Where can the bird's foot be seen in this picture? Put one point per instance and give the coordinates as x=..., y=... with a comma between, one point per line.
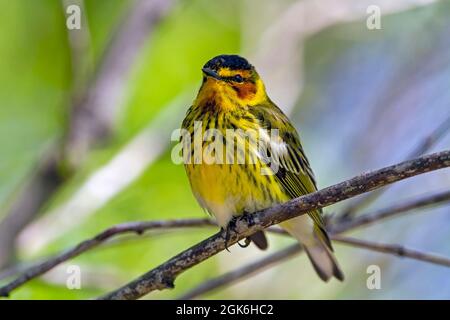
x=246, y=243
x=230, y=227
x=250, y=221
x=249, y=217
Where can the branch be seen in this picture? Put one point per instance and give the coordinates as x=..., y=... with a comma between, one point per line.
x=163, y=277
x=389, y=212
x=422, y=147
x=394, y=249
x=130, y=227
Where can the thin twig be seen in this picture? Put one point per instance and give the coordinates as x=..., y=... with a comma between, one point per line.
x=163, y=276
x=422, y=147
x=17, y=269
x=130, y=227
x=394, y=249
x=369, y=218
x=243, y=272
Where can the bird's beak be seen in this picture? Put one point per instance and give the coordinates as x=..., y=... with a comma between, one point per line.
x=211, y=73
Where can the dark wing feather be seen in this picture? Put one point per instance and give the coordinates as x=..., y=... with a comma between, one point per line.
x=294, y=171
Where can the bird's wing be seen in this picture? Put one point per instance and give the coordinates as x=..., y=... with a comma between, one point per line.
x=294, y=171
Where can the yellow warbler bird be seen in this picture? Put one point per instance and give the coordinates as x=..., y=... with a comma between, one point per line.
x=243, y=179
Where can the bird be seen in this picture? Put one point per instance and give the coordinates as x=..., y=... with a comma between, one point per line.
x=244, y=179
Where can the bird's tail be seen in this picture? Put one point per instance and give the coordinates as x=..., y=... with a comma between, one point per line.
x=324, y=262
x=317, y=246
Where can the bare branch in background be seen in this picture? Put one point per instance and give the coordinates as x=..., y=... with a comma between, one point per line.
x=129, y=227
x=256, y=267
x=243, y=272
x=369, y=218
x=394, y=249
x=422, y=147
x=91, y=121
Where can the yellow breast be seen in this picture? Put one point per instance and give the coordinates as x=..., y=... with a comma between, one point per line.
x=232, y=189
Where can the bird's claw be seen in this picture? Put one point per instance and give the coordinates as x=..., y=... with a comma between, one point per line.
x=231, y=226
x=246, y=243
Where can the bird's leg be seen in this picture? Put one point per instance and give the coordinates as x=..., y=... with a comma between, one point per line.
x=230, y=226
x=251, y=222
x=249, y=217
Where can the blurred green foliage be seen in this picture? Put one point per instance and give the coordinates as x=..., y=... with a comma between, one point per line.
x=35, y=84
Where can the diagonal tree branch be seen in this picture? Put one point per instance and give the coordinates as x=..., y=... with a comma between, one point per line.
x=163, y=277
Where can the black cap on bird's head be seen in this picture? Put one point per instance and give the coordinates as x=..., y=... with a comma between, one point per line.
x=230, y=61
x=228, y=68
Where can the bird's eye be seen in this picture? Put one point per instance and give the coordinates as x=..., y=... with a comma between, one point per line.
x=238, y=78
